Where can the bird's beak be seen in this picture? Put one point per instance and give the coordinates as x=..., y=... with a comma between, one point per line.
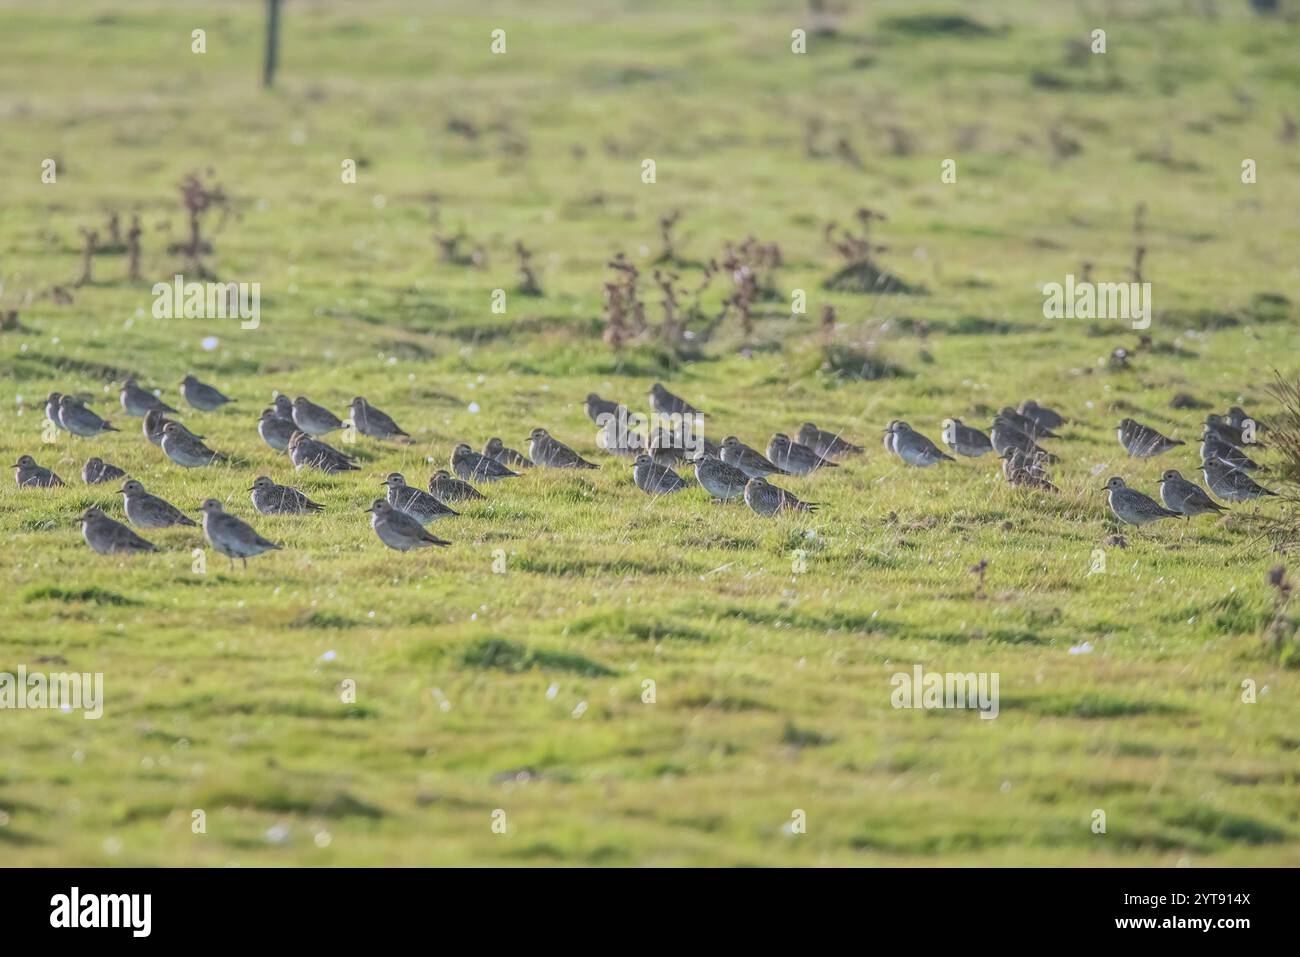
x=251, y=488
x=1104, y=488
x=383, y=483
x=122, y=490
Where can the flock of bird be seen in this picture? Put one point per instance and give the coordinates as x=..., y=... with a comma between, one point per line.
x=1015, y=434
x=727, y=471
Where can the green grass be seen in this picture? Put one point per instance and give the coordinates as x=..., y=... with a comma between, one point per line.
x=523, y=691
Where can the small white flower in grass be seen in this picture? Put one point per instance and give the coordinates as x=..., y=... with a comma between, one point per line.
x=322, y=839
x=210, y=343
x=392, y=360
x=65, y=708
x=4, y=819
x=473, y=408
x=379, y=201
x=146, y=762
x=551, y=692
x=1082, y=649
x=112, y=846
x=54, y=340
x=328, y=656
x=1006, y=787
x=277, y=834
x=370, y=614
x=580, y=710
x=473, y=616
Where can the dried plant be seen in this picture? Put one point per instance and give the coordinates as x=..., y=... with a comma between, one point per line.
x=860, y=273
x=452, y=250
x=199, y=198
x=133, y=249
x=1282, y=631
x=828, y=324
x=91, y=240
x=528, y=284
x=666, y=224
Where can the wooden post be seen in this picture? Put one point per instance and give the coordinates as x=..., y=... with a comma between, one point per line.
x=272, y=42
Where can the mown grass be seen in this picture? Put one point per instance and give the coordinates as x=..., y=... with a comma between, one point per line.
x=524, y=691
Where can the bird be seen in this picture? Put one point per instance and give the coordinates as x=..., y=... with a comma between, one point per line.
x=1005, y=434
x=964, y=440
x=1048, y=418
x=1228, y=433
x=1024, y=478
x=30, y=475
x=155, y=422
x=1142, y=441
x=372, y=422
x=668, y=446
x=231, y=535
x=615, y=438
x=766, y=499
x=79, y=420
x=96, y=470
x=665, y=403
x=201, y=395
x=546, y=450
x=1131, y=506
x=1186, y=498
x=750, y=461
x=826, y=444
x=52, y=409
x=304, y=451
x=655, y=479
x=314, y=419
x=1026, y=424
x=450, y=489
x=496, y=450
x=913, y=447
x=275, y=431
x=890, y=430
x=184, y=449
x=1231, y=484
x=415, y=502
x=597, y=407
x=109, y=537
x=144, y=510
x=283, y=406
x=137, y=401
x=794, y=457
x=474, y=467
x=270, y=498
x=1237, y=418
x=1214, y=449
x=719, y=479
x=1016, y=460
x=398, y=530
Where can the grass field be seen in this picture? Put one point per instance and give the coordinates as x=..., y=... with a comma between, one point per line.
x=522, y=691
